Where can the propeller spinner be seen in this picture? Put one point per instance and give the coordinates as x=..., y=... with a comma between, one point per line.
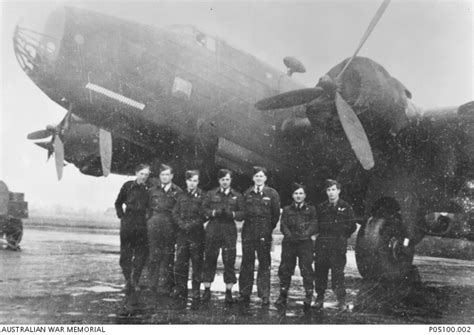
x=353, y=129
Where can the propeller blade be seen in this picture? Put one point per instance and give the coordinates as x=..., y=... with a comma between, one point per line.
x=48, y=146
x=289, y=99
x=355, y=133
x=59, y=156
x=39, y=134
x=369, y=30
x=50, y=152
x=105, y=144
x=64, y=124
x=45, y=145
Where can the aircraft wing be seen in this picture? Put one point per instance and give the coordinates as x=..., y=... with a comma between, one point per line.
x=463, y=113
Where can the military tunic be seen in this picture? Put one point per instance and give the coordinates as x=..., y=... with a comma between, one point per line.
x=188, y=216
x=221, y=232
x=133, y=229
x=335, y=225
x=162, y=236
x=298, y=224
x=262, y=212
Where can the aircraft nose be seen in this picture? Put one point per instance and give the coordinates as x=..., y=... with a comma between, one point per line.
x=37, y=40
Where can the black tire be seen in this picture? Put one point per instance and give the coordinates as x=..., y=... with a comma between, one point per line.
x=14, y=232
x=380, y=254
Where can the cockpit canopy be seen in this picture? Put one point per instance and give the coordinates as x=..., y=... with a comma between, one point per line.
x=194, y=35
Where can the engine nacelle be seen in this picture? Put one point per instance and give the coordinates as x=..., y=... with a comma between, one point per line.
x=373, y=94
x=455, y=225
x=82, y=148
x=296, y=128
x=380, y=101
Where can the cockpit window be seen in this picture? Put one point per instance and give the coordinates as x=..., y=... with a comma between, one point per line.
x=182, y=29
x=211, y=43
x=199, y=37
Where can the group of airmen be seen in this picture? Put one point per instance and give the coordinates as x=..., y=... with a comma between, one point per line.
x=166, y=224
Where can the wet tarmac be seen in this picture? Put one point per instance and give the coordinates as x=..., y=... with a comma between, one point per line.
x=72, y=276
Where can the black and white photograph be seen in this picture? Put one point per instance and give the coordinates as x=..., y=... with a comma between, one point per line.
x=304, y=162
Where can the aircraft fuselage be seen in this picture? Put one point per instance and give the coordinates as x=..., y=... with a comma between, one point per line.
x=185, y=98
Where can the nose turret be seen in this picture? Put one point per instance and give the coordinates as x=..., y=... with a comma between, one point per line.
x=37, y=41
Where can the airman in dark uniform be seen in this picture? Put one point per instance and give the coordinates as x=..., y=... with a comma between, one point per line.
x=162, y=231
x=222, y=206
x=262, y=211
x=335, y=225
x=298, y=224
x=133, y=229
x=191, y=236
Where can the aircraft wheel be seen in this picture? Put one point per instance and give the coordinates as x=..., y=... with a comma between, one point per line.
x=14, y=233
x=380, y=253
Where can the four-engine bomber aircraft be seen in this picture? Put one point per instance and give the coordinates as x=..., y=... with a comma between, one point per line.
x=136, y=93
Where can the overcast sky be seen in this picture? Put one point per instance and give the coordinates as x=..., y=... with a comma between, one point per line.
x=427, y=45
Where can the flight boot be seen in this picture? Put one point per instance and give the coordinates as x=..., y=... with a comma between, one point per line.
x=307, y=301
x=244, y=300
x=341, y=304
x=195, y=295
x=282, y=299
x=319, y=303
x=207, y=294
x=265, y=301
x=228, y=297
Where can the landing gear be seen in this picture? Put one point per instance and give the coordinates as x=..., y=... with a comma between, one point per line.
x=380, y=250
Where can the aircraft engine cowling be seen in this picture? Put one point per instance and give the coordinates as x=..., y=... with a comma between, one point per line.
x=378, y=99
x=82, y=148
x=81, y=145
x=296, y=127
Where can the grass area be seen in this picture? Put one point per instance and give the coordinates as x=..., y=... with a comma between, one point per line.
x=86, y=221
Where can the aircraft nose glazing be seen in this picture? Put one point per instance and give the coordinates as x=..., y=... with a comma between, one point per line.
x=34, y=49
x=37, y=40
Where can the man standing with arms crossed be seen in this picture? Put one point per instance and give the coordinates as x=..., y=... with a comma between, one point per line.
x=335, y=225
x=262, y=211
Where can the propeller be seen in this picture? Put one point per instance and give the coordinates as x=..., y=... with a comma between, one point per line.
x=58, y=156
x=353, y=129
x=105, y=145
x=45, y=145
x=368, y=31
x=355, y=133
x=39, y=134
x=56, y=144
x=290, y=99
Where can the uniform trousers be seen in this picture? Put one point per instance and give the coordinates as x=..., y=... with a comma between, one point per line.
x=220, y=236
x=133, y=245
x=162, y=242
x=250, y=248
x=189, y=247
x=334, y=260
x=290, y=252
